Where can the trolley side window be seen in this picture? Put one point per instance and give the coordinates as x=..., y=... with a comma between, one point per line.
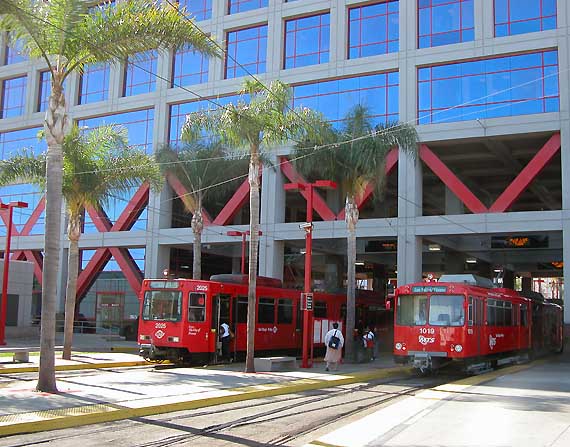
x=266, y=311
x=446, y=310
x=411, y=310
x=470, y=312
x=164, y=305
x=524, y=315
x=241, y=313
x=284, y=311
x=320, y=309
x=197, y=307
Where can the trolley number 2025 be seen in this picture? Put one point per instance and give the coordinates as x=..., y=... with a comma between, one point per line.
x=427, y=330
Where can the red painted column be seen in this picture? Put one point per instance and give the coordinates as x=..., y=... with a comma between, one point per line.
x=4, y=306
x=307, y=360
x=243, y=236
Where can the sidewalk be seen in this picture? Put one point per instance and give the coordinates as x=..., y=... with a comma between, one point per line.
x=126, y=393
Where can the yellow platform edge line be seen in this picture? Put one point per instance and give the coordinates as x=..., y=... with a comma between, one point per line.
x=29, y=369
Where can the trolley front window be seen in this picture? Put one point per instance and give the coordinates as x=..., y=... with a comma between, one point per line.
x=164, y=305
x=446, y=310
x=197, y=307
x=411, y=310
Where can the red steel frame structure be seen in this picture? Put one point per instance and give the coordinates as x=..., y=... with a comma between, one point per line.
x=140, y=200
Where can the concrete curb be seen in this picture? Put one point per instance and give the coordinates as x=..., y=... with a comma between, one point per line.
x=92, y=414
x=27, y=369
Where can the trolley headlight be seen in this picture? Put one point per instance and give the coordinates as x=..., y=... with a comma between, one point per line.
x=399, y=346
x=144, y=337
x=458, y=348
x=174, y=339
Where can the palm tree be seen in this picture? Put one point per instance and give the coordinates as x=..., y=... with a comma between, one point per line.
x=357, y=158
x=87, y=181
x=67, y=35
x=261, y=122
x=206, y=170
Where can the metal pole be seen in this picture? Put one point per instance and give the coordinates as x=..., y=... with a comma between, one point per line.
x=307, y=361
x=243, y=236
x=4, y=306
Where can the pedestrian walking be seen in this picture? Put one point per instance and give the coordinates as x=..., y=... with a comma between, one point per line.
x=368, y=341
x=334, y=342
x=225, y=337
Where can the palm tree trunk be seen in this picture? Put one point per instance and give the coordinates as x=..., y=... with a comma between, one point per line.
x=351, y=218
x=197, y=227
x=254, y=168
x=73, y=233
x=55, y=127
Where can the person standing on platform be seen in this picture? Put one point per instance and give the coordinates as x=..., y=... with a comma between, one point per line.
x=368, y=339
x=225, y=339
x=334, y=341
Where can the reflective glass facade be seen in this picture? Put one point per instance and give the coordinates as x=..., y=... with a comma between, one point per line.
x=198, y=9
x=373, y=29
x=524, y=16
x=14, y=53
x=189, y=68
x=307, y=41
x=246, y=51
x=505, y=86
x=140, y=74
x=13, y=97
x=443, y=22
x=378, y=92
x=94, y=83
x=235, y=6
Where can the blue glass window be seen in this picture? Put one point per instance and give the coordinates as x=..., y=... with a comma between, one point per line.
x=506, y=86
x=94, y=83
x=14, y=52
x=198, y=9
x=189, y=67
x=373, y=29
x=235, y=6
x=524, y=16
x=10, y=143
x=139, y=125
x=178, y=113
x=45, y=91
x=443, y=22
x=140, y=73
x=247, y=51
x=13, y=97
x=307, y=41
x=378, y=92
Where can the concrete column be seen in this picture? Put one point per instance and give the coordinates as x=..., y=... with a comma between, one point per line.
x=409, y=206
x=271, y=250
x=452, y=204
x=565, y=165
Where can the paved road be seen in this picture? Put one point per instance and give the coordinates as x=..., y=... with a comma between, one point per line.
x=288, y=420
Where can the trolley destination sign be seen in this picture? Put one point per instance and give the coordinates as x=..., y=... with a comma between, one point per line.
x=429, y=289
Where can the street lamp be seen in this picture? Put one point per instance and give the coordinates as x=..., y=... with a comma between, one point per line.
x=308, y=228
x=243, y=235
x=3, y=308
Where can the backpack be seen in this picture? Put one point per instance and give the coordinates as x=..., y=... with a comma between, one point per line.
x=334, y=342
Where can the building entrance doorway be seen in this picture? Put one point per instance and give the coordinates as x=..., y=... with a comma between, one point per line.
x=110, y=308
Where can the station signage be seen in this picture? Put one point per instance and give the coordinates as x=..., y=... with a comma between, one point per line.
x=429, y=289
x=306, y=301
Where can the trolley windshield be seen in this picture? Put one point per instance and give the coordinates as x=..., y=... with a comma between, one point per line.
x=446, y=310
x=164, y=305
x=411, y=310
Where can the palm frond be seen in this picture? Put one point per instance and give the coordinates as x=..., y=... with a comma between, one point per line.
x=23, y=167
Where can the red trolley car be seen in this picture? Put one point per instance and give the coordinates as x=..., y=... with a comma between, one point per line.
x=465, y=318
x=179, y=318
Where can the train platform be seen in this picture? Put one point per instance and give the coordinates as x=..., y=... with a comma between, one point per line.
x=90, y=396
x=525, y=405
